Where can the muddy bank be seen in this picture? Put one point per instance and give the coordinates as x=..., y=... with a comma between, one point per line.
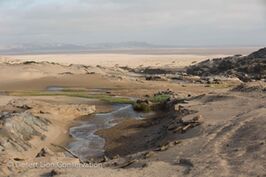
x=134, y=136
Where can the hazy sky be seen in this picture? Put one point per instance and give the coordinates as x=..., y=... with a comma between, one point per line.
x=174, y=22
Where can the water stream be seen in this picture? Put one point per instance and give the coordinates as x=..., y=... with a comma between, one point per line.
x=54, y=88
x=86, y=143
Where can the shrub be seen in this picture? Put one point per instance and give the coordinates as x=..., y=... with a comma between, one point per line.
x=142, y=107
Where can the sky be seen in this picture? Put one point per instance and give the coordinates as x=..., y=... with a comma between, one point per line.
x=163, y=22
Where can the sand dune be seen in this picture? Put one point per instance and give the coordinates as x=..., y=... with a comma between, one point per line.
x=110, y=60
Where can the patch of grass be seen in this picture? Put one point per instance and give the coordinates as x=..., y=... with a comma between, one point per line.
x=81, y=94
x=143, y=107
x=220, y=86
x=153, y=103
x=159, y=98
x=113, y=99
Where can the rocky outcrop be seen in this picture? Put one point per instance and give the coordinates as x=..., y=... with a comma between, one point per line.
x=247, y=68
x=251, y=87
x=26, y=126
x=19, y=128
x=259, y=54
x=155, y=78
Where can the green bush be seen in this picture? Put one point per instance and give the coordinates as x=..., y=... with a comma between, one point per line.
x=159, y=98
x=142, y=107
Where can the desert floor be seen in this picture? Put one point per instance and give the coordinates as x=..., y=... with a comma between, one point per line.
x=227, y=140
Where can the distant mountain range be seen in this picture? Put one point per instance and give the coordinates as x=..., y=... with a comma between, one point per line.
x=131, y=47
x=28, y=48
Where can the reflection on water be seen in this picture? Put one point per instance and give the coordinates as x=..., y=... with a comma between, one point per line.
x=55, y=88
x=86, y=144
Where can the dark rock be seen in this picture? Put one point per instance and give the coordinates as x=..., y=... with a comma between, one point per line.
x=259, y=54
x=258, y=86
x=18, y=159
x=29, y=62
x=44, y=152
x=184, y=162
x=152, y=71
x=90, y=73
x=51, y=174
x=171, y=126
x=24, y=106
x=155, y=78
x=247, y=68
x=66, y=73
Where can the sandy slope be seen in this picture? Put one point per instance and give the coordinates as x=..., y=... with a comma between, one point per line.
x=231, y=144
x=32, y=124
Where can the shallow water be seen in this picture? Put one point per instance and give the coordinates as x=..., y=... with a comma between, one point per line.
x=86, y=143
x=55, y=88
x=95, y=91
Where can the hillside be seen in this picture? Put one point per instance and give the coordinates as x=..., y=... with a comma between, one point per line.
x=246, y=68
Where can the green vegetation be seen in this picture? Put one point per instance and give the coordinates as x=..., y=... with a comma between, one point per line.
x=82, y=94
x=151, y=103
x=159, y=98
x=142, y=107
x=220, y=86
